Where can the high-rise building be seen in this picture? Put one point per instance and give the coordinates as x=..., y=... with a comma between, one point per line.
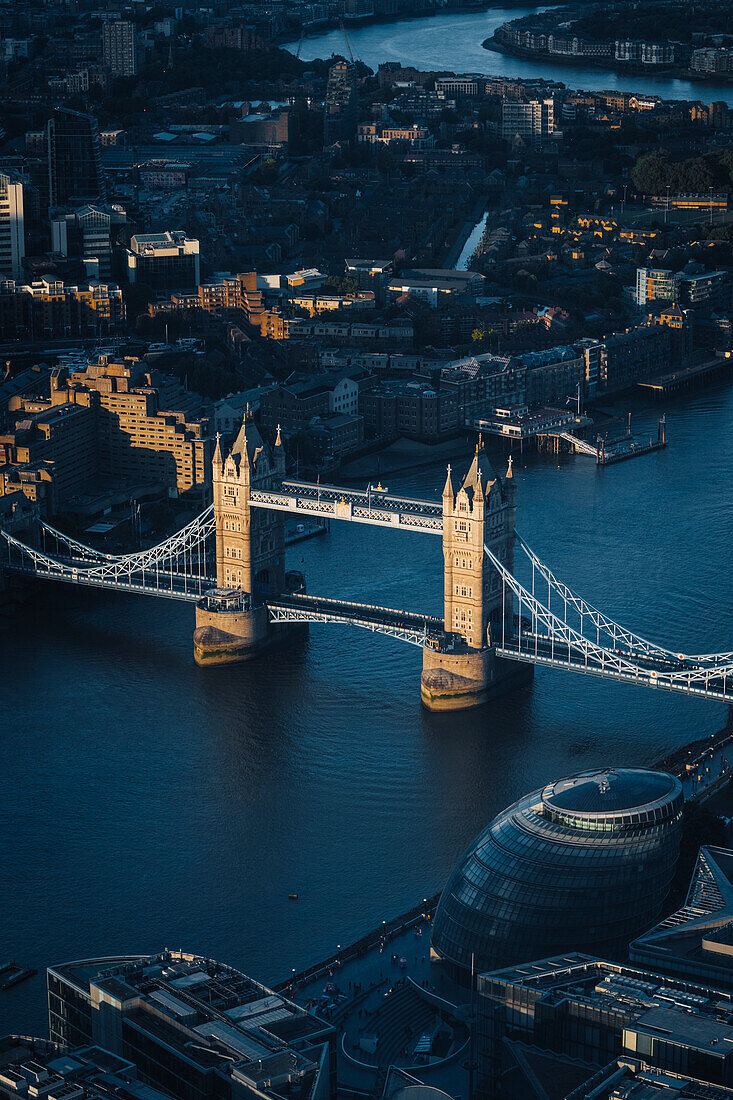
x=582, y=864
x=74, y=159
x=341, y=104
x=119, y=47
x=12, y=237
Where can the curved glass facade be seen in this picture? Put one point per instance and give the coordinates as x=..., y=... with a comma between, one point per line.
x=583, y=864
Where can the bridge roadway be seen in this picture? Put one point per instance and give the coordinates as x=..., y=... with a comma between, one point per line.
x=145, y=582
x=374, y=506
x=667, y=675
x=408, y=626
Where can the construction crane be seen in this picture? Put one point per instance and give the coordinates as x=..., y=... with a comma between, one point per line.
x=346, y=40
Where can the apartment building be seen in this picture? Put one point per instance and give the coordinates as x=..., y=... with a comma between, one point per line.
x=114, y=421
x=50, y=455
x=413, y=409
x=50, y=308
x=533, y=120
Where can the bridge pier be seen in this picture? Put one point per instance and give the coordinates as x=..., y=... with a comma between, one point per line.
x=465, y=678
x=226, y=637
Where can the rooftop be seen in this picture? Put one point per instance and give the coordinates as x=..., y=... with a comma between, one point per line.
x=213, y=1015
x=611, y=791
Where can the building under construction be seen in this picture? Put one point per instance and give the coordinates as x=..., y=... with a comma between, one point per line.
x=341, y=106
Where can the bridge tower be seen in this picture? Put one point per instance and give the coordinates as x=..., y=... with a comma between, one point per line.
x=232, y=620
x=482, y=510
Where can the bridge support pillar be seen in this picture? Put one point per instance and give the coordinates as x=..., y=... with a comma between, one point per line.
x=459, y=680
x=229, y=637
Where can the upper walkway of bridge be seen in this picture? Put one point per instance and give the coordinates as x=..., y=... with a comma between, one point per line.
x=373, y=505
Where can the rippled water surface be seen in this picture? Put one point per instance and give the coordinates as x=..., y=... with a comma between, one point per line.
x=453, y=41
x=146, y=802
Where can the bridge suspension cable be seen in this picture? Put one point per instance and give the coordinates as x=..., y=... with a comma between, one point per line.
x=618, y=635
x=196, y=531
x=562, y=646
x=72, y=544
x=175, y=567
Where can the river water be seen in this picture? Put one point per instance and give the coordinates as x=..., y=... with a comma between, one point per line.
x=453, y=40
x=147, y=802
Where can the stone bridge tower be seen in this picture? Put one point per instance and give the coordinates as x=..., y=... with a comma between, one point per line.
x=250, y=546
x=232, y=621
x=481, y=511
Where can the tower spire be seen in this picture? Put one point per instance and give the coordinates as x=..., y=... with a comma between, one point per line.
x=448, y=487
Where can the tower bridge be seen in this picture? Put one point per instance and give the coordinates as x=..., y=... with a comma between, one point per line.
x=230, y=563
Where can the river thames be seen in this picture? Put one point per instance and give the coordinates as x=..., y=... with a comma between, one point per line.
x=452, y=41
x=147, y=802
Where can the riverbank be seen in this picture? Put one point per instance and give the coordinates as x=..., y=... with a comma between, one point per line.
x=687, y=763
x=455, y=7
x=451, y=42
x=671, y=72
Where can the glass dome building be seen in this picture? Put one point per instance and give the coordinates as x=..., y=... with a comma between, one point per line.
x=583, y=864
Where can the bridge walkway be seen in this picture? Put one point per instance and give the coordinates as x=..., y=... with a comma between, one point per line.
x=371, y=506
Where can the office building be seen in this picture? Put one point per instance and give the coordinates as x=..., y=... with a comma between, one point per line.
x=88, y=234
x=12, y=228
x=696, y=942
x=195, y=1028
x=119, y=48
x=562, y=1018
x=74, y=159
x=435, y=286
x=31, y=1069
x=533, y=120
x=583, y=864
x=163, y=261
x=629, y=1079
